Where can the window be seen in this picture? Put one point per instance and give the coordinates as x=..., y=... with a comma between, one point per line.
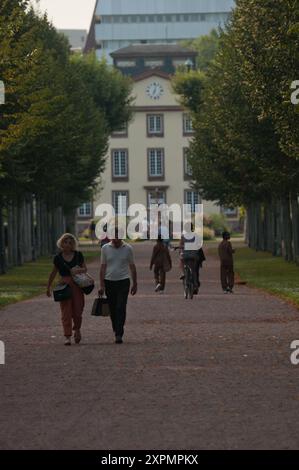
x=156, y=164
x=187, y=124
x=122, y=131
x=154, y=63
x=120, y=202
x=85, y=210
x=192, y=198
x=156, y=196
x=229, y=211
x=119, y=164
x=178, y=62
x=187, y=166
x=155, y=125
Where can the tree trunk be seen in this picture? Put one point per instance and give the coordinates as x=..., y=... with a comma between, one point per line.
x=3, y=263
x=287, y=230
x=12, y=235
x=33, y=216
x=295, y=226
x=71, y=222
x=278, y=229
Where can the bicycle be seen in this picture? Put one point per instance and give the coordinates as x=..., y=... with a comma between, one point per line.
x=188, y=281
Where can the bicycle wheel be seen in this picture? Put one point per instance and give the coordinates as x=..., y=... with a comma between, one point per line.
x=191, y=288
x=185, y=283
x=190, y=283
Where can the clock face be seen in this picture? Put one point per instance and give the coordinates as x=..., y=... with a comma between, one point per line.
x=155, y=90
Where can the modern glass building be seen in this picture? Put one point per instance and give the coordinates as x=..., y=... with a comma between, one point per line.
x=120, y=23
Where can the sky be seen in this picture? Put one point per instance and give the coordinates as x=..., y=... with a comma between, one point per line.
x=68, y=14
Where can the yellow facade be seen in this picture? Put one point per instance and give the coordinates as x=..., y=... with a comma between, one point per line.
x=153, y=96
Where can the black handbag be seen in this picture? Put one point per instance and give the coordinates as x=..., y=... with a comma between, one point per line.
x=100, y=307
x=62, y=292
x=88, y=290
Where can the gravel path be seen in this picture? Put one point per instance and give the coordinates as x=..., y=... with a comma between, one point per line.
x=212, y=373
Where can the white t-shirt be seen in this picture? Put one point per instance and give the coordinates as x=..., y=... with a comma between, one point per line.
x=117, y=260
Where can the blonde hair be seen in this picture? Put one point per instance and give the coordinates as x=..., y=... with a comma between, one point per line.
x=64, y=237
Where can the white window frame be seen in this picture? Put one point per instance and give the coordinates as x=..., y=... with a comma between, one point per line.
x=187, y=124
x=187, y=167
x=124, y=207
x=119, y=154
x=194, y=195
x=156, y=154
x=85, y=210
x=153, y=128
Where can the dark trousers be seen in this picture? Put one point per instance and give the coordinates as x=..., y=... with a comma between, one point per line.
x=160, y=276
x=117, y=294
x=227, y=276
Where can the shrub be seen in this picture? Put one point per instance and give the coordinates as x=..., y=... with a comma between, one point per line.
x=208, y=234
x=218, y=223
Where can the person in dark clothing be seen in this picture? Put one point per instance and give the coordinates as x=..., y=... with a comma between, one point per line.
x=161, y=260
x=92, y=231
x=198, y=264
x=225, y=251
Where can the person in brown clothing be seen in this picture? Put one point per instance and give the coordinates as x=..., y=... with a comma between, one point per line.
x=161, y=260
x=226, y=252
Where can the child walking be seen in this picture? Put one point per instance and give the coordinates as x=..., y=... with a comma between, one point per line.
x=161, y=260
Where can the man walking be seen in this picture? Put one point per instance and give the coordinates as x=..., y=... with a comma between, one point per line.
x=116, y=261
x=226, y=252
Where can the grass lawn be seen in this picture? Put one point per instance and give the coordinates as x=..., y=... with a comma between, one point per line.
x=29, y=280
x=262, y=270
x=266, y=272
x=272, y=274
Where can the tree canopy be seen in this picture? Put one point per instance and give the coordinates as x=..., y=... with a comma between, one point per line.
x=58, y=114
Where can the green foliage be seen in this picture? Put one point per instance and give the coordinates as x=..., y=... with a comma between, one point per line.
x=246, y=132
x=189, y=86
x=206, y=47
x=208, y=234
x=218, y=223
x=110, y=89
x=58, y=114
x=267, y=37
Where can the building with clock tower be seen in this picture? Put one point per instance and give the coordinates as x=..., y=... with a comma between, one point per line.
x=147, y=158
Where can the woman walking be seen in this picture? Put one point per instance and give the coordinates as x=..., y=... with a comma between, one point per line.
x=161, y=260
x=69, y=262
